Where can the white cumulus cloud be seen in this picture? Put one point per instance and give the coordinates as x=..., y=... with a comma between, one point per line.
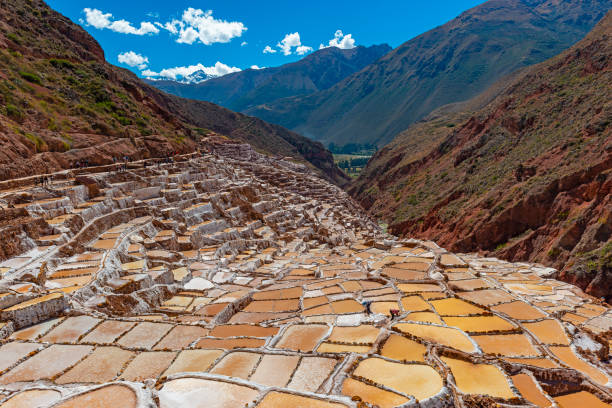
x=292, y=42
x=133, y=59
x=242, y=44
x=256, y=67
x=100, y=20
x=176, y=73
x=269, y=50
x=198, y=25
x=340, y=40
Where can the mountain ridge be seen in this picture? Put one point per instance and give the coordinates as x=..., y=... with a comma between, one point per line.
x=317, y=71
x=450, y=63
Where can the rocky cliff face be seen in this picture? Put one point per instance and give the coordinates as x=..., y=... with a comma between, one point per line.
x=61, y=103
x=525, y=178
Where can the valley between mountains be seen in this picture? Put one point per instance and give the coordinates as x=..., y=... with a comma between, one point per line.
x=160, y=250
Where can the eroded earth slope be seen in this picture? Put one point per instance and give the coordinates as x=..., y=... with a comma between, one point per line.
x=235, y=280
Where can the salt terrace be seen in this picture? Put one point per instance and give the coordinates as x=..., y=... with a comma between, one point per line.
x=237, y=280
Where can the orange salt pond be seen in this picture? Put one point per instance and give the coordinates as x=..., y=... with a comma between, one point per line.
x=201, y=393
x=580, y=399
x=383, y=307
x=418, y=287
x=302, y=337
x=400, y=348
x=364, y=334
x=275, y=399
x=548, y=332
x=444, y=335
x=506, y=345
x=568, y=357
x=415, y=304
x=485, y=379
x=530, y=391
x=342, y=348
x=419, y=380
x=480, y=324
x=455, y=307
x=519, y=310
x=536, y=362
x=426, y=317
x=371, y=394
x=32, y=398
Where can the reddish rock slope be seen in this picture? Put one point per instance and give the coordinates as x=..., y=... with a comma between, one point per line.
x=528, y=177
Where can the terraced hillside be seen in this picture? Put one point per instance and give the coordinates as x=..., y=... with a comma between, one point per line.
x=239, y=280
x=525, y=178
x=60, y=103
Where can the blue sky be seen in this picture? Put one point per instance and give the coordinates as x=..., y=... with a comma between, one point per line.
x=170, y=39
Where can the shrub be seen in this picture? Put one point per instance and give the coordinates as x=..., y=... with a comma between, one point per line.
x=30, y=77
x=61, y=63
x=37, y=140
x=14, y=113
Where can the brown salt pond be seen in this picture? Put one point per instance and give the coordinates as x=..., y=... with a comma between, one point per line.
x=33, y=332
x=519, y=310
x=275, y=370
x=11, y=353
x=100, y=366
x=110, y=396
x=487, y=297
x=371, y=394
x=530, y=391
x=180, y=337
x=243, y=330
x=201, y=393
x=444, y=335
x=107, y=332
x=149, y=364
x=513, y=345
x=46, y=364
x=275, y=399
x=193, y=361
x=548, y=332
x=455, y=307
x=237, y=364
x=580, y=399
x=311, y=373
x=485, y=379
x=419, y=380
x=302, y=337
x=144, y=335
x=568, y=357
x=480, y=324
x=37, y=398
x=400, y=348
